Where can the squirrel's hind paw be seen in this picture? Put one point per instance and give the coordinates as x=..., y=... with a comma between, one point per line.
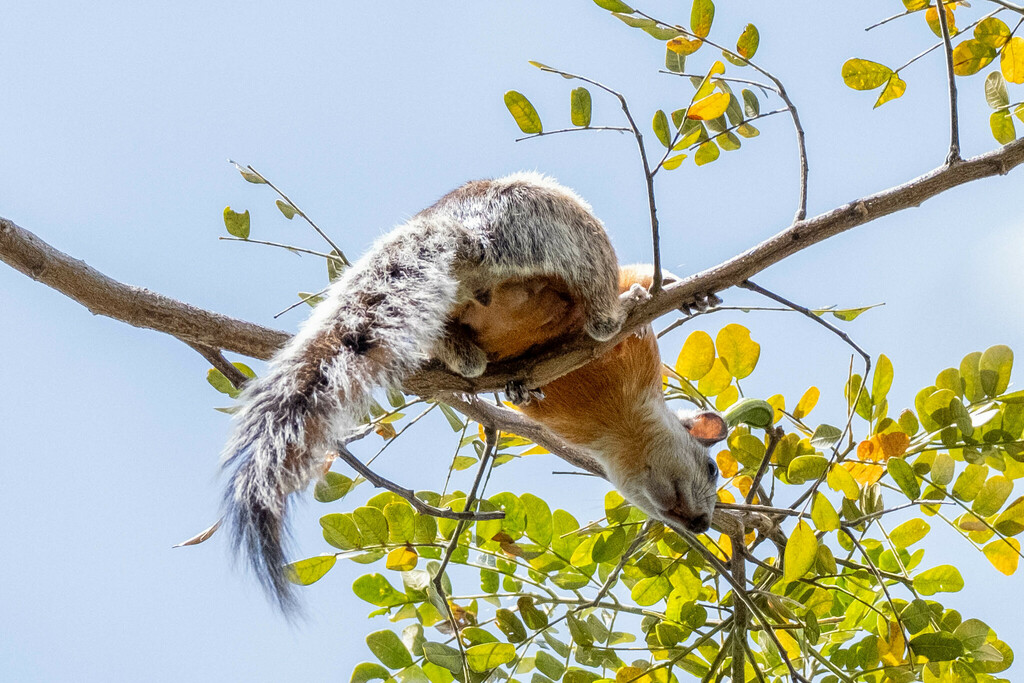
x=518, y=395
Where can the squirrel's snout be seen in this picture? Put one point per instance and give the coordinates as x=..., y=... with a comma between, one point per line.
x=700, y=524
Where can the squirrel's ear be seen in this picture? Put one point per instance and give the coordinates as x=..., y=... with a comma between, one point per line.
x=708, y=428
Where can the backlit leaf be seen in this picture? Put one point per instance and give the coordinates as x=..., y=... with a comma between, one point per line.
x=909, y=533
x=672, y=163
x=1002, y=127
x=237, y=224
x=1011, y=63
x=1004, y=554
x=801, y=549
x=995, y=90
x=739, y=352
x=710, y=107
x=706, y=153
x=702, y=14
x=995, y=365
x=660, y=125
x=823, y=514
x=697, y=355
x=894, y=89
x=937, y=647
x=971, y=56
x=992, y=31
x=310, y=570
x=402, y=559
x=522, y=111
x=684, y=46
x=748, y=41
x=376, y=590
x=942, y=579
x=903, y=474
x=614, y=6
x=715, y=381
x=369, y=671
x=861, y=74
x=389, y=649
x=580, y=107
x=1011, y=521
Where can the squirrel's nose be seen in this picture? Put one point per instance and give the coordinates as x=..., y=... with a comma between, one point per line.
x=699, y=525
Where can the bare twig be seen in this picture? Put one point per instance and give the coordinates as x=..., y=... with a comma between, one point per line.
x=892, y=18
x=221, y=363
x=421, y=506
x=620, y=129
x=775, y=435
x=299, y=211
x=302, y=300
x=954, y=125
x=289, y=247
x=1009, y=5
x=648, y=175
x=846, y=338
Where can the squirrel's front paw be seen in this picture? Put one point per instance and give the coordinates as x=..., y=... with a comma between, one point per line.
x=702, y=303
x=518, y=395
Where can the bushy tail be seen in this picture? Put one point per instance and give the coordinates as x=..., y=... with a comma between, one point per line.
x=378, y=324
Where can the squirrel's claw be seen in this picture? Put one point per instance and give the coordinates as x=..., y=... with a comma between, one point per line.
x=517, y=393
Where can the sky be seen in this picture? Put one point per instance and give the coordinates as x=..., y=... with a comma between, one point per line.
x=117, y=122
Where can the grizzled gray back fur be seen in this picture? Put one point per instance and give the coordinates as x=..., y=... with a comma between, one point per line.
x=381, y=320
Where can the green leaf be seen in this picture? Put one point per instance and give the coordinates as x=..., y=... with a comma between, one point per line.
x=748, y=41
x=806, y=468
x=992, y=495
x=1003, y=130
x=751, y=107
x=881, y=381
x=237, y=223
x=942, y=579
x=372, y=525
x=970, y=483
x=675, y=61
x=487, y=656
x=376, y=590
x=635, y=22
x=549, y=666
x=509, y=624
x=993, y=32
x=650, y=590
x=288, y=210
x=823, y=515
x=706, y=153
x=614, y=6
x=538, y=519
x=861, y=74
x=389, y=649
x=801, y=549
x=221, y=383
x=535, y=619
x=333, y=486
x=825, y=435
x=995, y=365
x=368, y=671
x=971, y=56
x=608, y=545
x=522, y=111
x=454, y=421
x=909, y=533
x=1011, y=521
x=401, y=521
x=937, y=647
x=341, y=531
x=579, y=631
x=444, y=656
x=737, y=350
x=310, y=570
x=580, y=107
x=702, y=14
x=660, y=125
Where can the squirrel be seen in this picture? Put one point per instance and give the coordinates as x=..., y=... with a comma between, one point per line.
x=491, y=271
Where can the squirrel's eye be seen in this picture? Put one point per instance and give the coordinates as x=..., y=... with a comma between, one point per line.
x=712, y=470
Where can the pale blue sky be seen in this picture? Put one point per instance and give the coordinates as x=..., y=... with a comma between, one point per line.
x=116, y=123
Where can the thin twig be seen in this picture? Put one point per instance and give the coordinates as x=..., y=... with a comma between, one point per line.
x=894, y=17
x=302, y=300
x=774, y=436
x=1009, y=5
x=729, y=79
x=954, y=124
x=491, y=435
x=780, y=90
x=748, y=284
x=302, y=213
x=620, y=129
x=421, y=506
x=330, y=257
x=217, y=360
x=648, y=175
x=939, y=44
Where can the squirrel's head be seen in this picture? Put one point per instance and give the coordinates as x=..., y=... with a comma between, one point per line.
x=676, y=481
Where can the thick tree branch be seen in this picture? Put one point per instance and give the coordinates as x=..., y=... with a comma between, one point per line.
x=140, y=307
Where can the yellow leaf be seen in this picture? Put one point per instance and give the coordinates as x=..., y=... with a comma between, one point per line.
x=747, y=43
x=806, y=403
x=706, y=86
x=725, y=496
x=716, y=381
x=725, y=545
x=932, y=17
x=402, y=559
x=862, y=74
x=682, y=45
x=1012, y=60
x=893, y=89
x=892, y=646
x=710, y=107
x=743, y=484
x=706, y=153
x=727, y=464
x=536, y=450
x=522, y=111
x=1004, y=554
x=789, y=643
x=701, y=15
x=993, y=32
x=672, y=163
x=778, y=402
x=697, y=356
x=735, y=347
x=801, y=549
x=971, y=56
x=727, y=398
x=839, y=479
